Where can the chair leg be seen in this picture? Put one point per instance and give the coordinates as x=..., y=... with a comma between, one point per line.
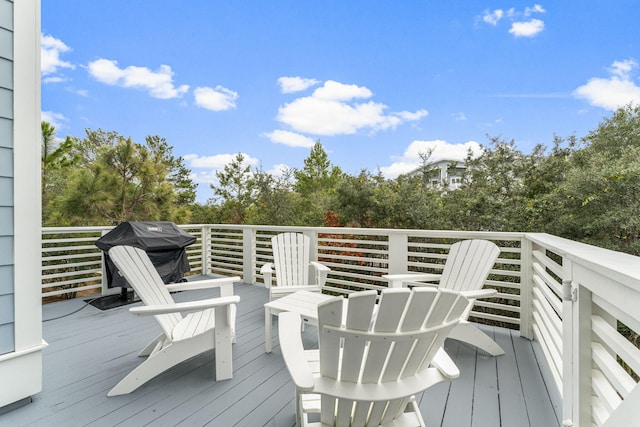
x=268, y=327
x=466, y=332
x=223, y=340
x=413, y=407
x=162, y=360
x=298, y=408
x=151, y=346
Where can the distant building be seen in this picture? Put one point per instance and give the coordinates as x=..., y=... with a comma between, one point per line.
x=445, y=173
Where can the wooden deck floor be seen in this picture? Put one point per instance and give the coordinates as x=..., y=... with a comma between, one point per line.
x=91, y=350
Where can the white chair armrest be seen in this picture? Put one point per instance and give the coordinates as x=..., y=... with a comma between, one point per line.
x=398, y=280
x=480, y=293
x=321, y=272
x=202, y=284
x=267, y=272
x=445, y=364
x=184, y=306
x=289, y=325
x=319, y=267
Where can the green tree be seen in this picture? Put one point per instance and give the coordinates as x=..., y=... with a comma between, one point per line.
x=177, y=174
x=407, y=202
x=205, y=214
x=544, y=175
x=56, y=158
x=491, y=197
x=601, y=192
x=317, y=174
x=275, y=202
x=316, y=184
x=234, y=192
x=355, y=199
x=119, y=180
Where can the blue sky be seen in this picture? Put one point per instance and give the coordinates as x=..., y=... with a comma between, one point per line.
x=377, y=82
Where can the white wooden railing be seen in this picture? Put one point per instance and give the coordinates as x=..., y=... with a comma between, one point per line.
x=570, y=297
x=581, y=298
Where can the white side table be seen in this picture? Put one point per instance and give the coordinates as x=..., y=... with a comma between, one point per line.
x=304, y=303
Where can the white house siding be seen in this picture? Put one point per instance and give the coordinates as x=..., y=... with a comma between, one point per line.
x=443, y=172
x=7, y=315
x=21, y=341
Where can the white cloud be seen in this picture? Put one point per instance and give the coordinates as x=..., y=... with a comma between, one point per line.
x=54, y=79
x=336, y=91
x=217, y=161
x=332, y=110
x=218, y=99
x=291, y=139
x=492, y=18
x=613, y=92
x=203, y=178
x=521, y=25
x=461, y=117
x=50, y=62
x=440, y=150
x=295, y=84
x=279, y=170
x=204, y=168
x=535, y=9
x=56, y=119
x=105, y=71
x=624, y=68
x=159, y=84
x=412, y=117
x=398, y=168
x=323, y=117
x=527, y=29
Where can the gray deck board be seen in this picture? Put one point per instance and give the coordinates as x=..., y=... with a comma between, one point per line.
x=513, y=409
x=539, y=406
x=91, y=350
x=486, y=401
x=460, y=405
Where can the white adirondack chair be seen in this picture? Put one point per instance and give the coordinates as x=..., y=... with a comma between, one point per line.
x=182, y=337
x=293, y=269
x=371, y=362
x=466, y=269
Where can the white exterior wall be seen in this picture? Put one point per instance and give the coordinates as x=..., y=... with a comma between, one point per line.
x=6, y=178
x=442, y=176
x=20, y=221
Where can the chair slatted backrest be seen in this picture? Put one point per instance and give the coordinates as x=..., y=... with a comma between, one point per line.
x=468, y=265
x=396, y=342
x=134, y=264
x=291, y=253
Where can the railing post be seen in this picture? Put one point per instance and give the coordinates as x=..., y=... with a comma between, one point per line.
x=568, y=342
x=398, y=253
x=205, y=242
x=581, y=381
x=576, y=349
x=526, y=288
x=249, y=257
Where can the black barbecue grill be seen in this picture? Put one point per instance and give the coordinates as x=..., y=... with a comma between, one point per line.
x=163, y=241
